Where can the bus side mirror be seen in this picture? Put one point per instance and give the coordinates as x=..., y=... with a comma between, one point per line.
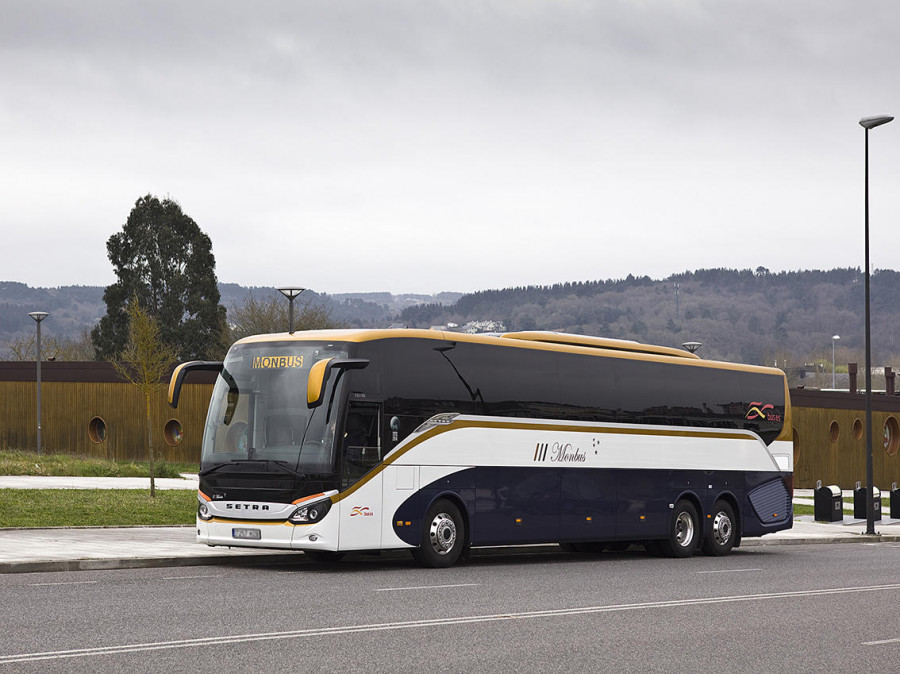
x=318, y=376
x=177, y=378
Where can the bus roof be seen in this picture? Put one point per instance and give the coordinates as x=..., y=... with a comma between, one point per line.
x=550, y=341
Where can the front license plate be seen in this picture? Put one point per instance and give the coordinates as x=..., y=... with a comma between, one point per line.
x=246, y=534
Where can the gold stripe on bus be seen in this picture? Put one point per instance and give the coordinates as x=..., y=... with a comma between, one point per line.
x=538, y=426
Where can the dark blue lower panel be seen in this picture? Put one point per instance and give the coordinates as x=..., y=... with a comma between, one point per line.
x=537, y=505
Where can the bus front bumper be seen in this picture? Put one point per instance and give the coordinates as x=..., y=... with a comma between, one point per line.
x=273, y=535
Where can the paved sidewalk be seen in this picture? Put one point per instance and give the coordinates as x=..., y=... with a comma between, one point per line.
x=79, y=549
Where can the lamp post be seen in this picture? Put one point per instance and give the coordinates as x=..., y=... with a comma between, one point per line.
x=833, y=340
x=691, y=346
x=869, y=123
x=291, y=294
x=38, y=316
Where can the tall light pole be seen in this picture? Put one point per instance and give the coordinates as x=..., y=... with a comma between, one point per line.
x=691, y=346
x=291, y=294
x=38, y=316
x=869, y=123
x=833, y=340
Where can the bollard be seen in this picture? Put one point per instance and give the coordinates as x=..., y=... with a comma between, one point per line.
x=895, y=502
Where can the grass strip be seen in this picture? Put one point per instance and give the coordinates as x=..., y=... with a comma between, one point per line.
x=18, y=462
x=96, y=507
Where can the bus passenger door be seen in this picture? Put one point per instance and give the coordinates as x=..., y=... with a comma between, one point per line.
x=360, y=512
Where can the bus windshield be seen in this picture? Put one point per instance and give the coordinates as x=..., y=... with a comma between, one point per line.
x=258, y=409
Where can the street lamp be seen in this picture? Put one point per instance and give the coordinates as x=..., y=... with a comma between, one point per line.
x=869, y=123
x=38, y=316
x=833, y=340
x=691, y=346
x=291, y=294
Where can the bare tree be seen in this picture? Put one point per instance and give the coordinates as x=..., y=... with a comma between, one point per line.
x=145, y=362
x=258, y=316
x=52, y=348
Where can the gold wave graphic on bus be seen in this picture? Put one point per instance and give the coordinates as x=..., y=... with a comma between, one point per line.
x=758, y=411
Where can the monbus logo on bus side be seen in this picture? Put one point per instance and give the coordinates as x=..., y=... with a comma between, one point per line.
x=762, y=411
x=276, y=362
x=558, y=453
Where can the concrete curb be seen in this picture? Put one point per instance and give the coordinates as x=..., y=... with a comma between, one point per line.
x=249, y=559
x=47, y=566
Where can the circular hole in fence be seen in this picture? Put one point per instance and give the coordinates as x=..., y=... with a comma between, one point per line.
x=97, y=430
x=857, y=429
x=834, y=432
x=891, y=436
x=173, y=433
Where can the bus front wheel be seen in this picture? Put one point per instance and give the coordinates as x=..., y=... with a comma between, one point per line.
x=443, y=536
x=684, y=533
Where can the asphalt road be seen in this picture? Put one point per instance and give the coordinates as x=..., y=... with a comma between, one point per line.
x=799, y=608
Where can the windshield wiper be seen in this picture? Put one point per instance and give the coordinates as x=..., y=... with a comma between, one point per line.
x=280, y=464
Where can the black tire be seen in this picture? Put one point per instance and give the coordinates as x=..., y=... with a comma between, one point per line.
x=443, y=536
x=724, y=531
x=323, y=556
x=684, y=531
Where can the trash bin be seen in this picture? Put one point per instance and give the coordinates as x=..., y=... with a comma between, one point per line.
x=829, y=503
x=859, y=503
x=895, y=502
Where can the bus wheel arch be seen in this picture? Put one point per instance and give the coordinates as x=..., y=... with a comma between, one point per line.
x=444, y=533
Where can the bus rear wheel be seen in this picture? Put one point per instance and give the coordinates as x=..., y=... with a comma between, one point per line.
x=684, y=534
x=443, y=536
x=723, y=535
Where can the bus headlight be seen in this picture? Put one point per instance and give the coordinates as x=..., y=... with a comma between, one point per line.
x=203, y=512
x=308, y=513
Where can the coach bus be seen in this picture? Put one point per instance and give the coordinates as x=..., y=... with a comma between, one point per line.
x=364, y=440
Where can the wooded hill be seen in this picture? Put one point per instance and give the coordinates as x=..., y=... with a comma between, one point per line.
x=786, y=318
x=739, y=315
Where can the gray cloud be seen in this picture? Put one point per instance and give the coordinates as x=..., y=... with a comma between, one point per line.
x=449, y=145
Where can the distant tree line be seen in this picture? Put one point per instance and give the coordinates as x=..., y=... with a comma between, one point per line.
x=163, y=262
x=753, y=316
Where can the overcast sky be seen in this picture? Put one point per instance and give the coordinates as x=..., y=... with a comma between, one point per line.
x=421, y=146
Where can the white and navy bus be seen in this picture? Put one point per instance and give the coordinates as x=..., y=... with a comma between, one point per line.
x=342, y=440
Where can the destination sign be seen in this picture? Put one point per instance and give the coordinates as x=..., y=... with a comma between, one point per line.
x=276, y=362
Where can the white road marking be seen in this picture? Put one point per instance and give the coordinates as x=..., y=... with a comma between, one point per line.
x=882, y=642
x=71, y=582
x=218, y=575
x=423, y=587
x=728, y=571
x=436, y=622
